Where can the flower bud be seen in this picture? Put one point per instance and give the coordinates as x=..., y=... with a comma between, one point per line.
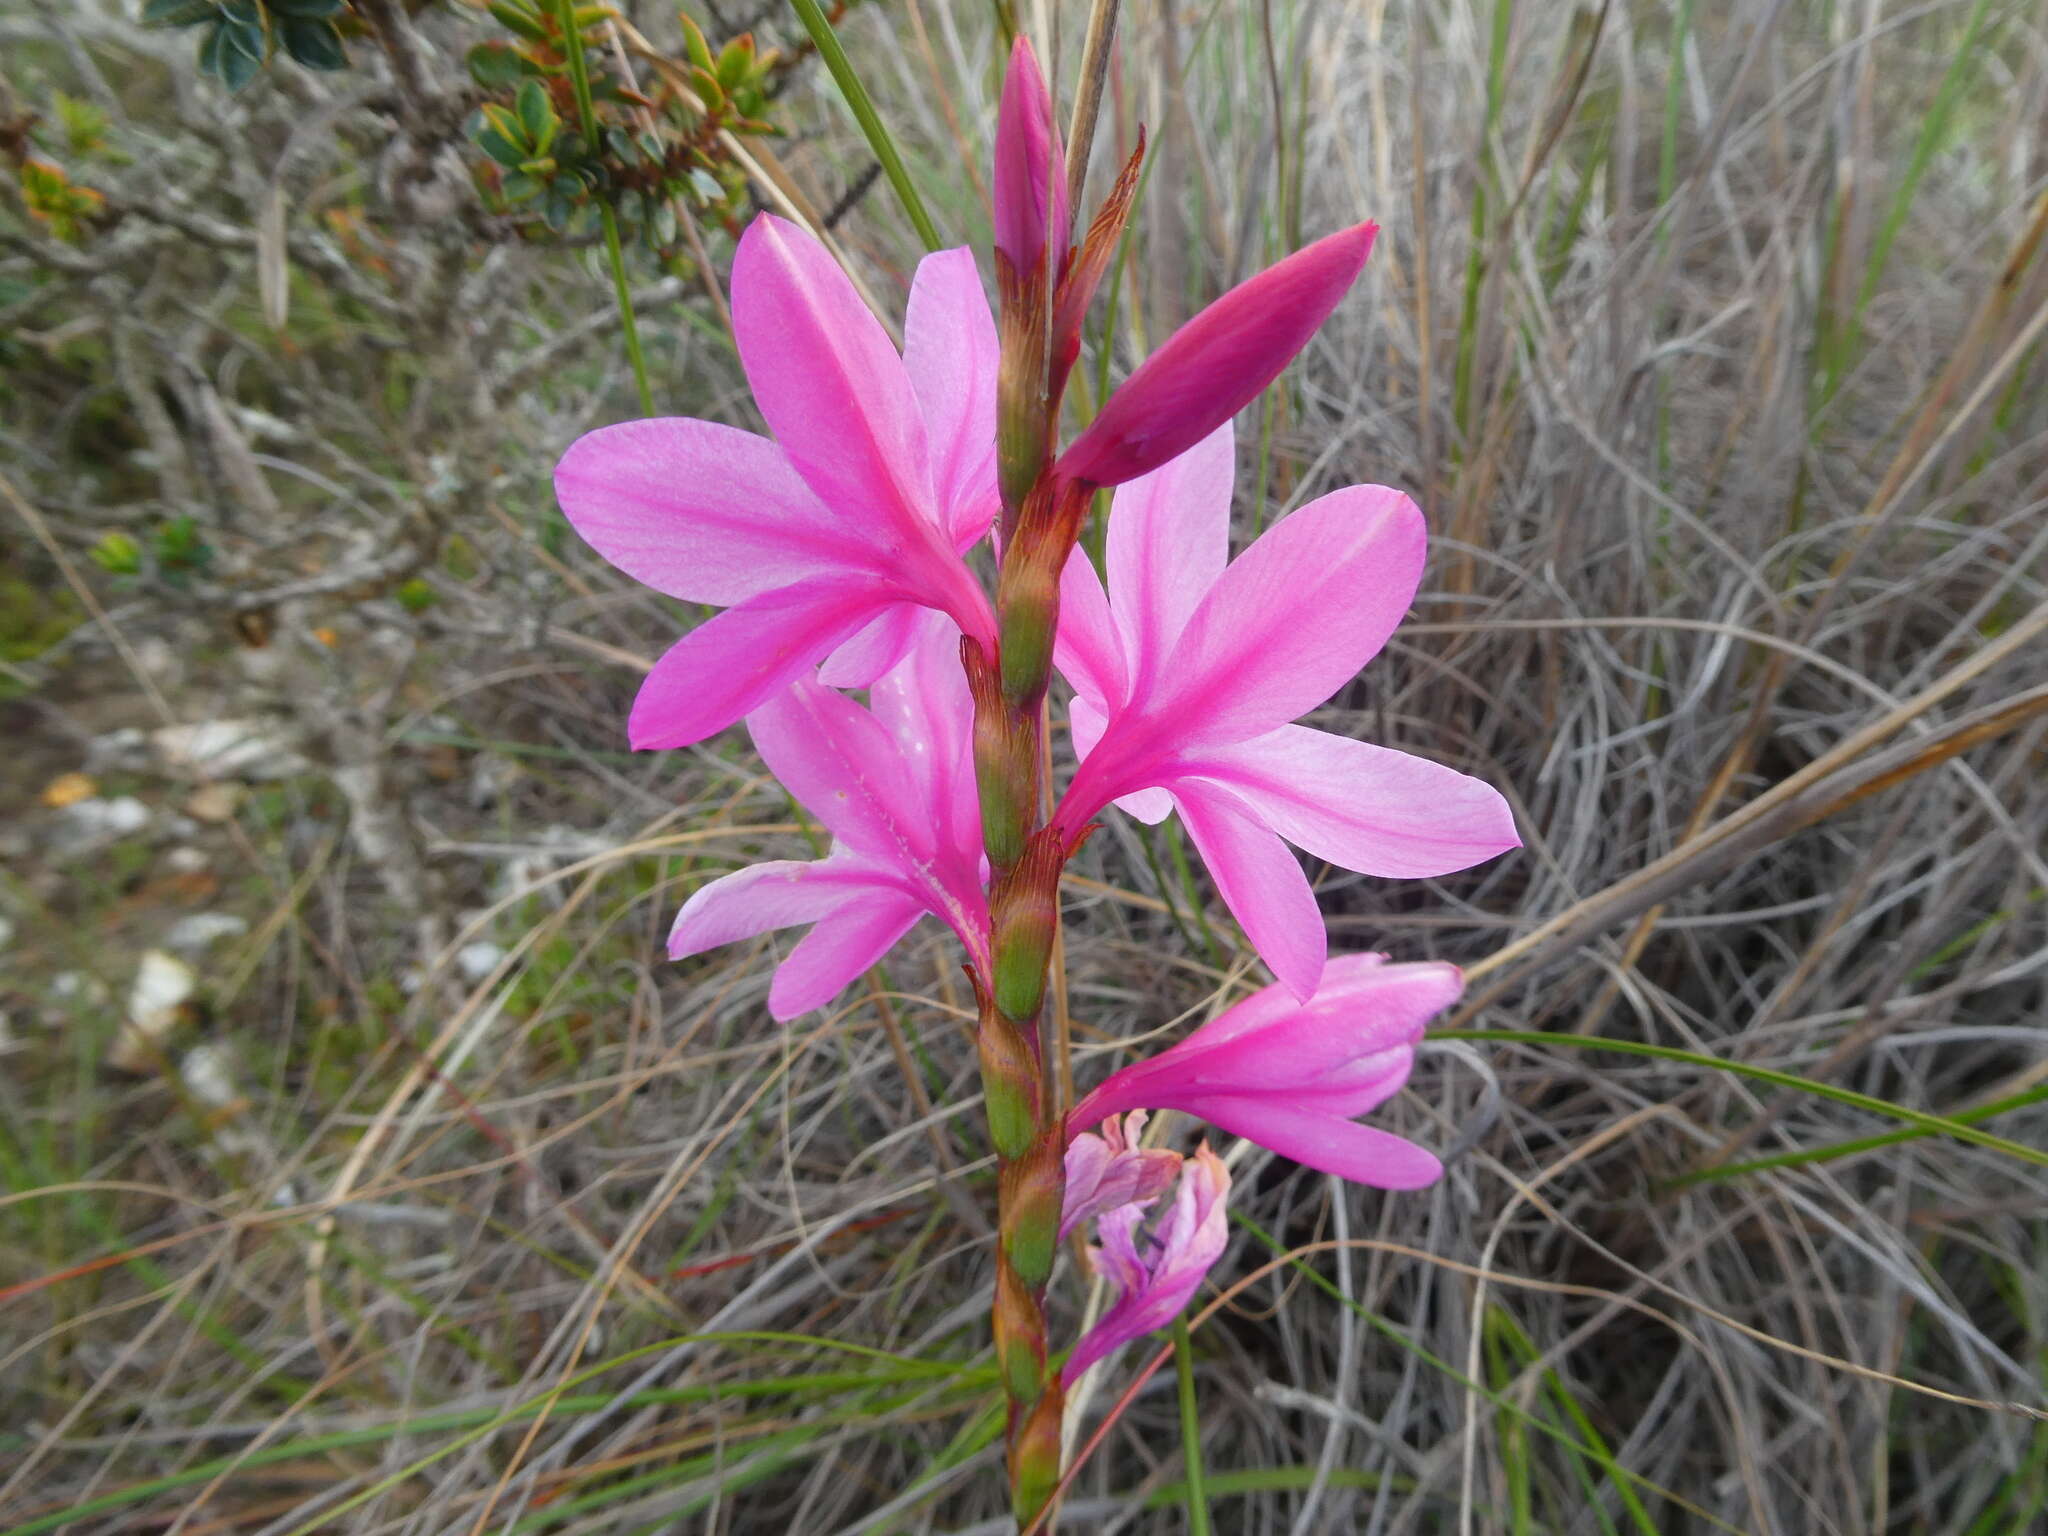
x=1025, y=911
x=1030, y=170
x=1031, y=1209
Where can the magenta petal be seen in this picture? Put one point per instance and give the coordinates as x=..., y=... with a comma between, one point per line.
x=873, y=651
x=1088, y=647
x=949, y=351
x=1293, y=618
x=1169, y=540
x=842, y=945
x=1260, y=881
x=1361, y=1153
x=703, y=512
x=1216, y=364
x=924, y=704
x=1362, y=807
x=843, y=767
x=730, y=664
x=762, y=898
x=1086, y=724
x=827, y=380
x=1030, y=169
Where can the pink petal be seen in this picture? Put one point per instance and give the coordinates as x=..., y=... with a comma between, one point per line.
x=762, y=898
x=1100, y=1178
x=1030, y=168
x=842, y=945
x=700, y=511
x=877, y=648
x=1086, y=725
x=949, y=351
x=924, y=704
x=828, y=382
x=1169, y=540
x=843, y=767
x=1293, y=618
x=1088, y=648
x=1260, y=881
x=728, y=665
x=1363, y=1154
x=1216, y=364
x=1362, y=807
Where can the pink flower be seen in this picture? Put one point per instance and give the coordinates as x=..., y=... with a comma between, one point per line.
x=1154, y=1282
x=895, y=788
x=1216, y=364
x=1110, y=1170
x=1293, y=1076
x=881, y=471
x=1187, y=672
x=1030, y=169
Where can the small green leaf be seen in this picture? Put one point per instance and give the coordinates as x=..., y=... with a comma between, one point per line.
x=304, y=10
x=244, y=13
x=315, y=44
x=500, y=149
x=415, y=596
x=695, y=46
x=735, y=62
x=119, y=554
x=494, y=65
x=177, y=13
x=519, y=19
x=519, y=187
x=537, y=116
x=662, y=222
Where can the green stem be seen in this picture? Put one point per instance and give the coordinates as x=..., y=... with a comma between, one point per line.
x=1190, y=1428
x=586, y=111
x=870, y=122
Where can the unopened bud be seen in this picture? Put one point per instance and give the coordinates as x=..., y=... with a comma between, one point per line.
x=1031, y=1210
x=1005, y=767
x=1024, y=912
x=1009, y=1084
x=1027, y=618
x=1019, y=1336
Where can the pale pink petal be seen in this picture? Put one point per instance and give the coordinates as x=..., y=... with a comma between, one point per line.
x=843, y=767
x=729, y=665
x=1102, y=1175
x=1363, y=1154
x=1154, y=1287
x=1216, y=364
x=1086, y=725
x=1088, y=648
x=842, y=945
x=949, y=351
x=1169, y=540
x=1293, y=618
x=1260, y=881
x=1030, y=167
x=828, y=382
x=764, y=897
x=703, y=512
x=924, y=704
x=1362, y=807
x=877, y=648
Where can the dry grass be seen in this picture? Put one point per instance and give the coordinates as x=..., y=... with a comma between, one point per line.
x=1710, y=339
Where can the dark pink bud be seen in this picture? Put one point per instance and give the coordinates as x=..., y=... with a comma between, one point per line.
x=1031, y=172
x=1216, y=364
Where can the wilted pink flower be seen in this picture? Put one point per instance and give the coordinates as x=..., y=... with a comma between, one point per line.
x=1030, y=171
x=1216, y=364
x=895, y=788
x=1293, y=1076
x=881, y=470
x=1187, y=671
x=1154, y=1271
x=1111, y=1169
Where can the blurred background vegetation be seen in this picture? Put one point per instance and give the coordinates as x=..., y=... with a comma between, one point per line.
x=363, y=1167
